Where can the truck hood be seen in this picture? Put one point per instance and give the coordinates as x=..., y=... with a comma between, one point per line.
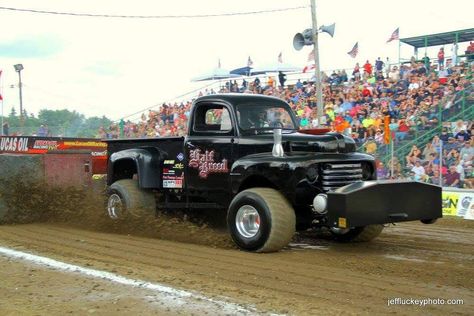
x=299, y=142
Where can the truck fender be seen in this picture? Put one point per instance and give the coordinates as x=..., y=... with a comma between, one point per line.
x=145, y=162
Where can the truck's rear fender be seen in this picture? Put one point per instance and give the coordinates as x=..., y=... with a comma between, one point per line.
x=145, y=162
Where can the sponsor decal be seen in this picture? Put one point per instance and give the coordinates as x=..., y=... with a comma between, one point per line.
x=180, y=156
x=179, y=166
x=173, y=176
x=168, y=171
x=45, y=144
x=205, y=163
x=17, y=144
x=172, y=182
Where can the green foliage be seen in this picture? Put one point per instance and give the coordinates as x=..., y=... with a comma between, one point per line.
x=60, y=123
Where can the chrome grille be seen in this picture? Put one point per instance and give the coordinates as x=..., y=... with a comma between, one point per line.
x=341, y=174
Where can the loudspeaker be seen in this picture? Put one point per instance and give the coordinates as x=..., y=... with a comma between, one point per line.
x=298, y=41
x=328, y=29
x=302, y=39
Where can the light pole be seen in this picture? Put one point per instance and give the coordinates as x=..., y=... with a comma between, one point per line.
x=18, y=69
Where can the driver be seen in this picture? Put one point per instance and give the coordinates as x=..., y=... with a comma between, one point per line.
x=257, y=119
x=262, y=119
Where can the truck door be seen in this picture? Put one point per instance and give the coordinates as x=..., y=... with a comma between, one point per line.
x=209, y=151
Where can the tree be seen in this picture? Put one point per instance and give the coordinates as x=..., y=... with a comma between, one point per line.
x=12, y=113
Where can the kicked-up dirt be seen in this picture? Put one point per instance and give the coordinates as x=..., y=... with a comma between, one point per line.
x=310, y=277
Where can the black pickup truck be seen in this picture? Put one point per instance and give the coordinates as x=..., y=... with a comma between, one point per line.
x=246, y=155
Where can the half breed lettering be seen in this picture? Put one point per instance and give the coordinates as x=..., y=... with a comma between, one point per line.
x=205, y=163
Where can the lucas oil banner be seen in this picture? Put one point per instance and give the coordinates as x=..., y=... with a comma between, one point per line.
x=42, y=145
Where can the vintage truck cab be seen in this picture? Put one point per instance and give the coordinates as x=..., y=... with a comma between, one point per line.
x=245, y=154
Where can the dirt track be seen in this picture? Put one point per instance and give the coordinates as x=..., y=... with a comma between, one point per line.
x=309, y=277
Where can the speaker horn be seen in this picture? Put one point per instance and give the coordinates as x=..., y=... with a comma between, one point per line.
x=328, y=29
x=302, y=39
x=298, y=41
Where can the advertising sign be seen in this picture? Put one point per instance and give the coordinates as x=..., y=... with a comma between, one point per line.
x=43, y=145
x=458, y=203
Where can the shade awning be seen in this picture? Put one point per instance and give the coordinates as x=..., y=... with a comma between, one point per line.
x=459, y=36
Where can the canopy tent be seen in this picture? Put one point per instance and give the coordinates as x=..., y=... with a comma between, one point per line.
x=242, y=71
x=438, y=39
x=453, y=37
x=275, y=67
x=215, y=74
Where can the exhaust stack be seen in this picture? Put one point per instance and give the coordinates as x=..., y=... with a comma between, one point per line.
x=277, y=150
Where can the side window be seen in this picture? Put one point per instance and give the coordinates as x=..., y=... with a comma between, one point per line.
x=212, y=118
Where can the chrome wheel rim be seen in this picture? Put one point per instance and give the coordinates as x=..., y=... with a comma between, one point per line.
x=247, y=221
x=114, y=206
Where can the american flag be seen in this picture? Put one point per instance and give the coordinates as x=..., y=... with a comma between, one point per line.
x=354, y=51
x=280, y=58
x=311, y=56
x=249, y=62
x=395, y=35
x=308, y=68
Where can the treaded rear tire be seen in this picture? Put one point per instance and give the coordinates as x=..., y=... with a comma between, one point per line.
x=136, y=202
x=277, y=220
x=360, y=234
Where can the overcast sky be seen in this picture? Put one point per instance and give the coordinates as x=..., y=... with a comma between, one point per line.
x=116, y=67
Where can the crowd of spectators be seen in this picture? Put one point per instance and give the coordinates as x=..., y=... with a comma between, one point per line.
x=411, y=94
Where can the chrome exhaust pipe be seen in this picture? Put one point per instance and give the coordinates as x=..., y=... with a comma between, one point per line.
x=277, y=150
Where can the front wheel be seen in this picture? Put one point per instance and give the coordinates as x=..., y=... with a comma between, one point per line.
x=124, y=198
x=261, y=220
x=357, y=234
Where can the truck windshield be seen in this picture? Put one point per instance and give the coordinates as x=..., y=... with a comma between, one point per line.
x=264, y=116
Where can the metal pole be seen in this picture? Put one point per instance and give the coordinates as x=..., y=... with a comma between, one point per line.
x=399, y=48
x=440, y=162
x=317, y=70
x=391, y=157
x=21, y=96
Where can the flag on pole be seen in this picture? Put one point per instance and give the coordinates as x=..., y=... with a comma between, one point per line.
x=280, y=58
x=354, y=51
x=395, y=35
x=249, y=62
x=219, y=63
x=311, y=56
x=309, y=67
x=387, y=134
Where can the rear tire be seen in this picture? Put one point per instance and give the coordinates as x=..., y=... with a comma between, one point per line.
x=261, y=220
x=358, y=234
x=125, y=198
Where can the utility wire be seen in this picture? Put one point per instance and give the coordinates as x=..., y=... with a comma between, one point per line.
x=192, y=16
